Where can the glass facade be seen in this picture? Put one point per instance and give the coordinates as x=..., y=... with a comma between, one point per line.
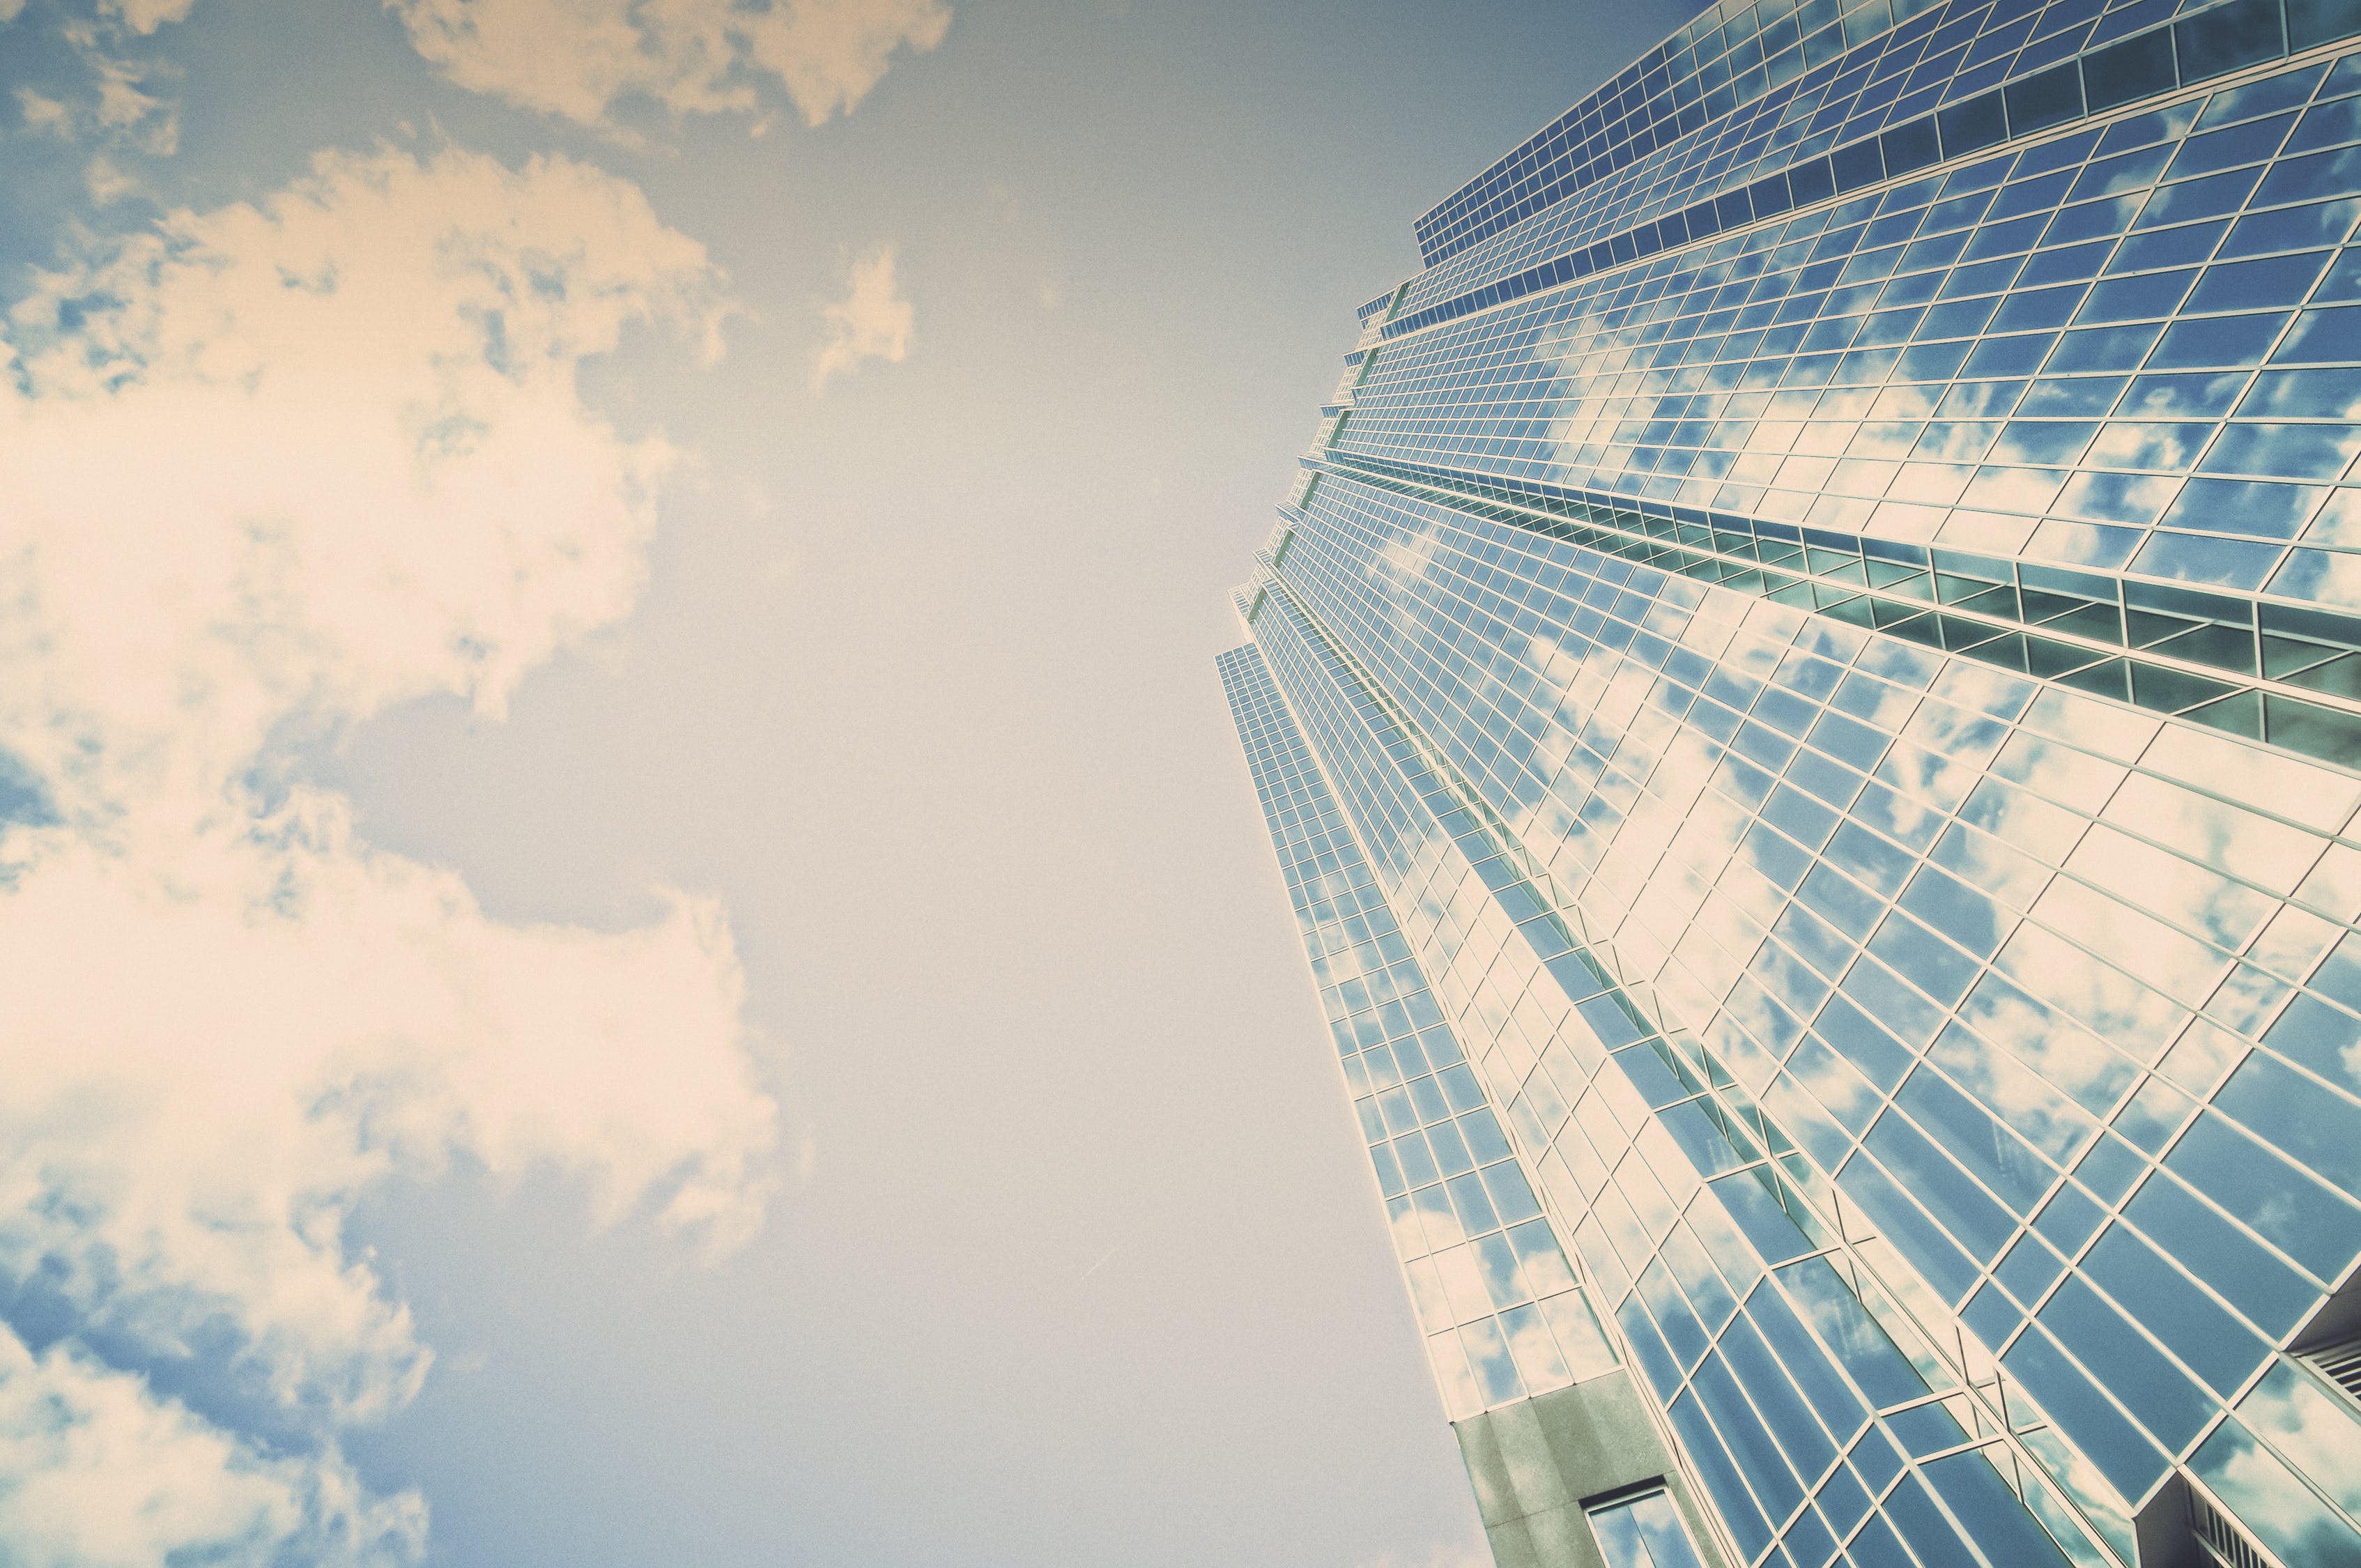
x=1643, y=1532
x=1809, y=701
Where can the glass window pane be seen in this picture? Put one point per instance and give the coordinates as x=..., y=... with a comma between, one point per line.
x=1644, y=1532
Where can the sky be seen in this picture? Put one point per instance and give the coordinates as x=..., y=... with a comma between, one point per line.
x=635, y=931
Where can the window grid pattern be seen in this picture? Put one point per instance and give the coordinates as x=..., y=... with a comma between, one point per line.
x=2125, y=350
x=1494, y=1291
x=2194, y=647
x=1806, y=1422
x=1978, y=72
x=1784, y=64
x=1921, y=1131
x=2287, y=1466
x=1643, y=1532
x=1853, y=721
x=2198, y=49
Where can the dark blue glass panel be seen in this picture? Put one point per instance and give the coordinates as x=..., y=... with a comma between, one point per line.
x=1910, y=146
x=1730, y=1495
x=1998, y=1158
x=2245, y=285
x=2323, y=1038
x=2217, y=1252
x=1766, y=1225
x=1648, y=1345
x=2326, y=336
x=2052, y=97
x=2132, y=68
x=2318, y=1229
x=2317, y=177
x=1811, y=180
x=2216, y=42
x=1757, y=1454
x=1939, y=1257
x=2192, y=1326
x=1933, y=1539
x=2293, y=228
x=1857, y=165
x=1923, y=1428
x=1993, y=1514
x=2243, y=506
x=2219, y=340
x=1878, y=1547
x=2126, y=1457
x=2229, y=148
x=2170, y=247
x=2323, y=1131
x=1807, y=1448
x=2311, y=22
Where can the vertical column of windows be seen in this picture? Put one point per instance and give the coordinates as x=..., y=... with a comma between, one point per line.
x=1780, y=1385
x=1495, y=1294
x=1947, y=1081
x=2011, y=1027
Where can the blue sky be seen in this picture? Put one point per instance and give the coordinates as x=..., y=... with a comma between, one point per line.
x=648, y=940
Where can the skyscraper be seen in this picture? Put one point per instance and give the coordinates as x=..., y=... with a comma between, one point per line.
x=1809, y=698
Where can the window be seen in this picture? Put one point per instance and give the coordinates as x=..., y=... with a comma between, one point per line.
x=1644, y=1531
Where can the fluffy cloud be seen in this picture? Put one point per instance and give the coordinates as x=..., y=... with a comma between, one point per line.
x=44, y=115
x=122, y=102
x=578, y=58
x=271, y=468
x=103, y=1475
x=872, y=322
x=146, y=16
x=127, y=109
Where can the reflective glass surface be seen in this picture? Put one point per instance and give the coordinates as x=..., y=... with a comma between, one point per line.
x=1644, y=1532
x=1817, y=753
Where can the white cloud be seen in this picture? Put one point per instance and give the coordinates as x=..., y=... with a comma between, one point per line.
x=127, y=110
x=108, y=182
x=102, y=1475
x=872, y=322
x=284, y=464
x=146, y=16
x=116, y=105
x=580, y=58
x=44, y=115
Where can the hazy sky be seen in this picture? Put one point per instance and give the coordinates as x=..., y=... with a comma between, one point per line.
x=636, y=934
